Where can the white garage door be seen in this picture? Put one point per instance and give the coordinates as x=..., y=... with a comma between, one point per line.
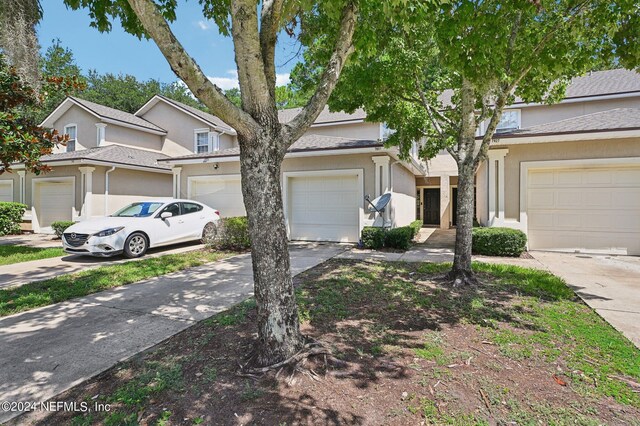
x=222, y=194
x=53, y=201
x=324, y=208
x=588, y=209
x=6, y=191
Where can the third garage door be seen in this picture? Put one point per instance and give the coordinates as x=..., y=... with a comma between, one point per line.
x=590, y=209
x=223, y=193
x=324, y=207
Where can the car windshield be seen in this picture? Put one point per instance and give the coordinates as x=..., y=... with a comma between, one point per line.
x=144, y=209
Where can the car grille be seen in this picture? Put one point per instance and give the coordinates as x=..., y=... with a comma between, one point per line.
x=75, y=240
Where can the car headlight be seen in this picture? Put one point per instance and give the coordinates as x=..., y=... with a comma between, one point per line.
x=108, y=232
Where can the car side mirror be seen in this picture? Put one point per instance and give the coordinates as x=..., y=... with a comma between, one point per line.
x=165, y=215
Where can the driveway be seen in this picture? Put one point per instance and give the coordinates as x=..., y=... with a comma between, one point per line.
x=21, y=273
x=609, y=284
x=48, y=350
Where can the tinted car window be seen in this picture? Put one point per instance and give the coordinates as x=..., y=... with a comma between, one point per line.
x=172, y=208
x=191, y=208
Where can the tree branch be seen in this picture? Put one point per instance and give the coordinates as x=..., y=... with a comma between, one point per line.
x=188, y=70
x=269, y=24
x=341, y=51
x=254, y=89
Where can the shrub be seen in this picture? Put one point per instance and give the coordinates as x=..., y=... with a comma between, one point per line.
x=399, y=238
x=60, y=226
x=415, y=226
x=11, y=217
x=373, y=237
x=498, y=242
x=230, y=233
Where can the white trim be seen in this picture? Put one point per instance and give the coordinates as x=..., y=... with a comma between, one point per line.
x=101, y=133
x=338, y=122
x=496, y=215
x=315, y=173
x=22, y=178
x=526, y=166
x=34, y=181
x=176, y=181
x=80, y=162
x=10, y=181
x=594, y=135
x=197, y=132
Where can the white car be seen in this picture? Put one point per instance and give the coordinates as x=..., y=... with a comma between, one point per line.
x=139, y=226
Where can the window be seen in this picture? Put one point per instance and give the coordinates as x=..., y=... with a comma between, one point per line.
x=101, y=133
x=510, y=120
x=206, y=141
x=385, y=131
x=191, y=208
x=144, y=209
x=174, y=209
x=72, y=131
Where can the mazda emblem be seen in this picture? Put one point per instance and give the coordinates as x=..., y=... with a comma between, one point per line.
x=73, y=235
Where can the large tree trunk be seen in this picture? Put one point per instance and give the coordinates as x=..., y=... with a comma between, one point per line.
x=461, y=272
x=278, y=327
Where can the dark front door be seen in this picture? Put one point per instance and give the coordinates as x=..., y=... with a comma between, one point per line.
x=432, y=206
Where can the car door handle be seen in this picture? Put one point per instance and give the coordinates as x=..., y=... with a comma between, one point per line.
x=181, y=221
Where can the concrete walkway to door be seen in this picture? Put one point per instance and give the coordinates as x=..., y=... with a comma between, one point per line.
x=46, y=351
x=609, y=284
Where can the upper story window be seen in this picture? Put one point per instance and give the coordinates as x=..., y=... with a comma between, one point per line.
x=385, y=131
x=72, y=131
x=100, y=134
x=510, y=121
x=206, y=141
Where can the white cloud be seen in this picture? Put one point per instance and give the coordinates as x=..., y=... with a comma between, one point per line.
x=204, y=26
x=231, y=82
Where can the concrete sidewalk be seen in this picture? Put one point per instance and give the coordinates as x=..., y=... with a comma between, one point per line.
x=48, y=350
x=21, y=273
x=609, y=284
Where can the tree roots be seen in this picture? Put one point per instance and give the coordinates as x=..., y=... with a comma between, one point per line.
x=461, y=278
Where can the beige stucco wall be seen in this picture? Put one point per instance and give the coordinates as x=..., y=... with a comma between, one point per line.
x=180, y=129
x=612, y=148
x=531, y=116
x=87, y=136
x=403, y=198
x=133, y=138
x=482, y=194
x=369, y=131
x=127, y=186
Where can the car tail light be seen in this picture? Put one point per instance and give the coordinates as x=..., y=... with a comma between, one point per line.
x=217, y=212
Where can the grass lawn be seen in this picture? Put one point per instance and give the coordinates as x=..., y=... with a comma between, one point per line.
x=520, y=349
x=65, y=287
x=15, y=254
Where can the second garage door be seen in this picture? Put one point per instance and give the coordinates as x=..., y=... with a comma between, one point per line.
x=590, y=209
x=222, y=193
x=324, y=207
x=53, y=201
x=6, y=190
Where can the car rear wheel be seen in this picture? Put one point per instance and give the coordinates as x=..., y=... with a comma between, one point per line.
x=136, y=245
x=207, y=232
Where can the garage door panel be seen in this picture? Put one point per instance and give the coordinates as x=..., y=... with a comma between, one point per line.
x=53, y=201
x=324, y=208
x=585, y=209
x=6, y=191
x=222, y=194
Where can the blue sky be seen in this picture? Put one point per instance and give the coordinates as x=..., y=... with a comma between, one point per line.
x=119, y=52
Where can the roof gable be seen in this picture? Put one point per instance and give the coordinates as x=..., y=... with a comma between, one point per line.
x=104, y=114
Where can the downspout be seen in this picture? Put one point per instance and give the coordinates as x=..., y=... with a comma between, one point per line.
x=106, y=190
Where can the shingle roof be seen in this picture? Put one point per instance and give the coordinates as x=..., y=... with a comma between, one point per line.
x=326, y=116
x=116, y=114
x=610, y=120
x=209, y=118
x=116, y=154
x=597, y=83
x=305, y=143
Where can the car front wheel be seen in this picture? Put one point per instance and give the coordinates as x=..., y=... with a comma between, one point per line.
x=136, y=245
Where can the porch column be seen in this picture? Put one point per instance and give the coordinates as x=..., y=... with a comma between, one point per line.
x=445, y=201
x=86, y=191
x=101, y=131
x=21, y=194
x=495, y=165
x=382, y=181
x=176, y=181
